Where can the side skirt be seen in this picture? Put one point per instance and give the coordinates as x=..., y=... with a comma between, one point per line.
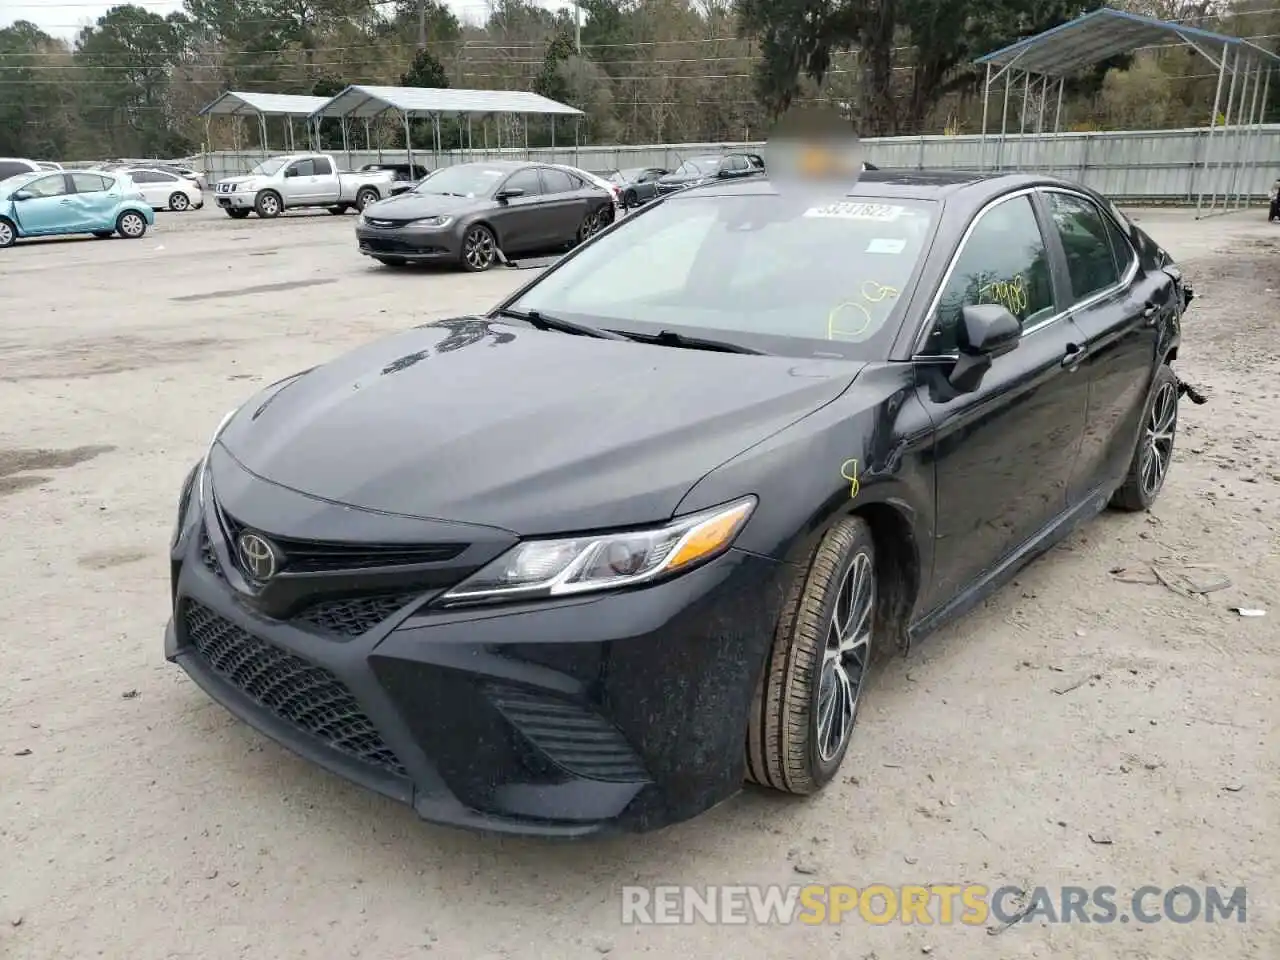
x=1057, y=530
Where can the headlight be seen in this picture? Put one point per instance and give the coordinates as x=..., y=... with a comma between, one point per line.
x=549, y=568
x=431, y=222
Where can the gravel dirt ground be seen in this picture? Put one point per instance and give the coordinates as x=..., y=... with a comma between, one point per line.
x=1079, y=728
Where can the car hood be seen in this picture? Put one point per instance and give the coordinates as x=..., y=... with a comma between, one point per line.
x=535, y=432
x=413, y=206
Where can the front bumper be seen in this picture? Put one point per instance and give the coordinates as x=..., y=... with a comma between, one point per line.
x=410, y=243
x=620, y=712
x=236, y=201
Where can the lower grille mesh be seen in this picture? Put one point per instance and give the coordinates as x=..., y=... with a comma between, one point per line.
x=307, y=696
x=575, y=738
x=352, y=617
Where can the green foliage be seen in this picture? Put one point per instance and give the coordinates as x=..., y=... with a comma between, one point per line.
x=799, y=37
x=649, y=71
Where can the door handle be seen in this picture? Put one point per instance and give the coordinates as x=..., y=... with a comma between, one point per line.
x=1149, y=313
x=64, y=201
x=1073, y=356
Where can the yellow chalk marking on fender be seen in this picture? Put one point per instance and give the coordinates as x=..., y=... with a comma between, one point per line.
x=849, y=470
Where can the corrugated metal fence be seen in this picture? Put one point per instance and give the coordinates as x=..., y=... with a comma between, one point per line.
x=1165, y=166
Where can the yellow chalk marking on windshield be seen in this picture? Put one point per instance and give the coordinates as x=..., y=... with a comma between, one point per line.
x=849, y=471
x=877, y=291
x=863, y=327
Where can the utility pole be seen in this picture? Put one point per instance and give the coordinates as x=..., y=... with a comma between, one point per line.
x=422, y=25
x=577, y=29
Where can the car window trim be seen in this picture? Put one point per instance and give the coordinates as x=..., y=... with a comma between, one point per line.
x=922, y=332
x=1126, y=279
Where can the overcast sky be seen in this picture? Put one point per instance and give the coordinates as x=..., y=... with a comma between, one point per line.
x=64, y=18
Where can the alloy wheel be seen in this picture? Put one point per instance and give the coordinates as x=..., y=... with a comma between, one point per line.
x=179, y=202
x=589, y=226
x=478, y=248
x=269, y=206
x=132, y=225
x=846, y=656
x=1162, y=424
x=6, y=234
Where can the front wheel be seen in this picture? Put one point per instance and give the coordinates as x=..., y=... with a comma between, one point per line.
x=811, y=687
x=131, y=225
x=629, y=200
x=8, y=233
x=179, y=202
x=479, y=249
x=268, y=205
x=1154, y=453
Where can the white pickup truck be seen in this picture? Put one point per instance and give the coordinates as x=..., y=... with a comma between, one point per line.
x=300, y=180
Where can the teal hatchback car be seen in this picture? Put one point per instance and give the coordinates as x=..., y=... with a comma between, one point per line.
x=49, y=204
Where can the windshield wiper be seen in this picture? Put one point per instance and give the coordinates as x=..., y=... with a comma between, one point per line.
x=543, y=321
x=669, y=338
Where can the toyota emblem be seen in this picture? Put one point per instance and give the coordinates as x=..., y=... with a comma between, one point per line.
x=257, y=556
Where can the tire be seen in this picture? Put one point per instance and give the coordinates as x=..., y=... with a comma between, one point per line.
x=789, y=747
x=367, y=196
x=338, y=209
x=179, y=202
x=131, y=225
x=605, y=217
x=587, y=229
x=8, y=233
x=629, y=200
x=479, y=249
x=392, y=261
x=236, y=213
x=1153, y=453
x=268, y=205
x=103, y=234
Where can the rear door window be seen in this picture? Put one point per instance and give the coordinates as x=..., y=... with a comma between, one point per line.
x=321, y=166
x=1086, y=242
x=557, y=181
x=91, y=183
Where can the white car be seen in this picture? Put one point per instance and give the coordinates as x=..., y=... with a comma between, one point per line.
x=166, y=191
x=596, y=180
x=16, y=166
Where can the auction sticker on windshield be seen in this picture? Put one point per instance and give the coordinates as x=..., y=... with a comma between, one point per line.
x=848, y=210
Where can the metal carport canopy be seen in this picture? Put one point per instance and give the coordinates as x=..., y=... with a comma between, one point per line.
x=1106, y=33
x=237, y=104
x=364, y=103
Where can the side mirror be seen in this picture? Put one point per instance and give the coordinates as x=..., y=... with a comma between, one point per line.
x=987, y=331
x=508, y=193
x=22, y=195
x=291, y=172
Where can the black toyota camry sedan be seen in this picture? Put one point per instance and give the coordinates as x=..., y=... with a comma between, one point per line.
x=590, y=561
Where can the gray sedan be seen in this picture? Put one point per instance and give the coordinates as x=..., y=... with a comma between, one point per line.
x=467, y=214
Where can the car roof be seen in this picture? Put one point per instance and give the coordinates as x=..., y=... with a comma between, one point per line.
x=503, y=164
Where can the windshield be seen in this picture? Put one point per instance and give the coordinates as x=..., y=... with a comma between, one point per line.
x=465, y=180
x=267, y=167
x=797, y=275
x=699, y=167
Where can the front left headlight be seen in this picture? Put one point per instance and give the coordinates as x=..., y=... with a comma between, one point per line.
x=431, y=222
x=572, y=565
